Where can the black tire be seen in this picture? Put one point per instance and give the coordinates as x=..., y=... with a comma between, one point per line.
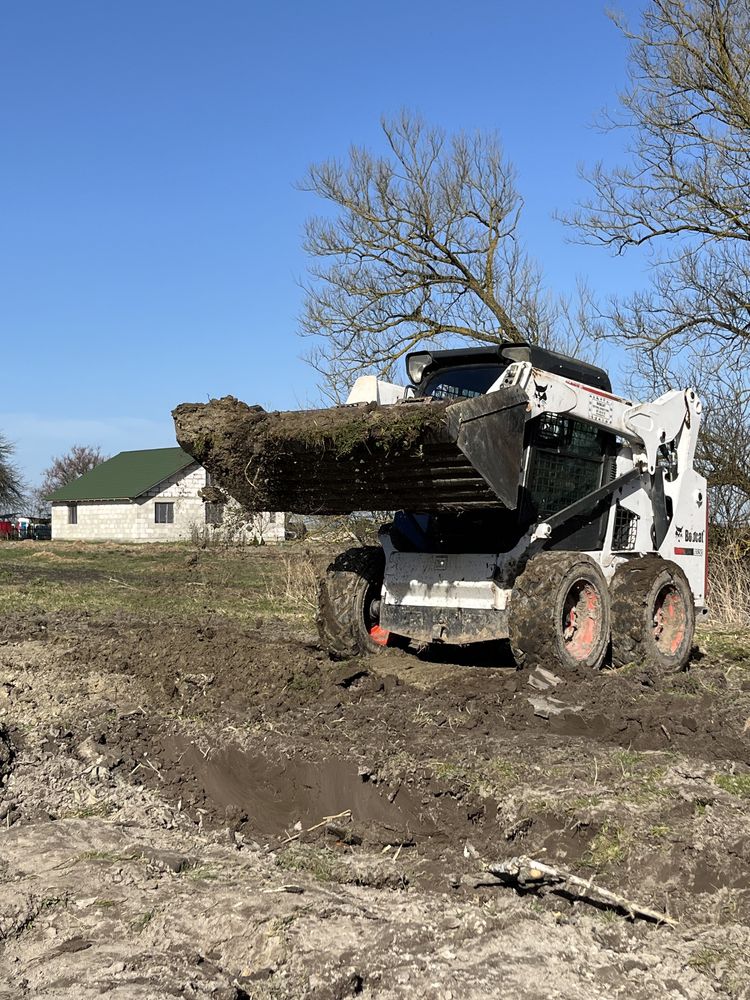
x=653, y=614
x=347, y=609
x=559, y=612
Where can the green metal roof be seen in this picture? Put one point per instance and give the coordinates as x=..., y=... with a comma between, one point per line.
x=126, y=476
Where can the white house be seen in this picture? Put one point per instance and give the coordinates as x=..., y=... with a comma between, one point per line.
x=147, y=496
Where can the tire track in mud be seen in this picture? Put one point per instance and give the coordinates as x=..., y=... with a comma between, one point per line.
x=224, y=671
x=277, y=791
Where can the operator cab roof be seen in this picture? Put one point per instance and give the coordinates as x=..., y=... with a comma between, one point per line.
x=421, y=365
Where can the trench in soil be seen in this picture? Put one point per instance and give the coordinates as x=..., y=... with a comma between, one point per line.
x=270, y=797
x=275, y=795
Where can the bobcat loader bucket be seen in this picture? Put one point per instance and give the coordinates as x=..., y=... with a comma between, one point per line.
x=421, y=455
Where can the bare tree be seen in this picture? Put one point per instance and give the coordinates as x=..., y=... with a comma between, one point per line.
x=70, y=466
x=422, y=245
x=723, y=456
x=11, y=483
x=684, y=199
x=685, y=193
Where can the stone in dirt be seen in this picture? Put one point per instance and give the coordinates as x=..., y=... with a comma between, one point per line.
x=545, y=707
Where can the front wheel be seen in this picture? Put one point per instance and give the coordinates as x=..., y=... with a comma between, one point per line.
x=559, y=612
x=349, y=597
x=653, y=614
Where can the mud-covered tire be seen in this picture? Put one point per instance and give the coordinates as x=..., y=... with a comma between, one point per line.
x=653, y=614
x=559, y=613
x=352, y=581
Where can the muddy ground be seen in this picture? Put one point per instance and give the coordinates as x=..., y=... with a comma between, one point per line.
x=201, y=804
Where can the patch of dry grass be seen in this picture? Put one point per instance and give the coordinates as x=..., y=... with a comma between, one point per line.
x=160, y=579
x=294, y=582
x=729, y=594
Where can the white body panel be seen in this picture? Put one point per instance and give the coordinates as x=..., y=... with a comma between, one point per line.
x=686, y=542
x=443, y=581
x=369, y=389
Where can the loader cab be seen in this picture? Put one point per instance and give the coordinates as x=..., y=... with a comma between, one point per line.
x=462, y=382
x=564, y=459
x=456, y=374
x=471, y=371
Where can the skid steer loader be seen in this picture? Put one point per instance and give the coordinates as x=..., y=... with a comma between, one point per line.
x=533, y=505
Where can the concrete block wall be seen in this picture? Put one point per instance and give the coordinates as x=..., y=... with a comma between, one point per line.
x=237, y=528
x=269, y=526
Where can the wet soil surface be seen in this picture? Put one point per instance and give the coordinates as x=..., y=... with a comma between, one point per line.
x=202, y=808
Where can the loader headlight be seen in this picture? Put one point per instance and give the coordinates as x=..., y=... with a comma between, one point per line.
x=416, y=365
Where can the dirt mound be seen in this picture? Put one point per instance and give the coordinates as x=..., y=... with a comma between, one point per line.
x=411, y=455
x=221, y=669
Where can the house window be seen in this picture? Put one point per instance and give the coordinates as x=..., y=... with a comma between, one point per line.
x=163, y=513
x=214, y=513
x=72, y=513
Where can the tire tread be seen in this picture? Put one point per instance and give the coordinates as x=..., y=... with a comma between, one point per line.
x=339, y=629
x=532, y=643
x=630, y=589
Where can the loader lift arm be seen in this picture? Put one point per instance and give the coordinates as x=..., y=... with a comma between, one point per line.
x=667, y=427
x=648, y=426
x=589, y=503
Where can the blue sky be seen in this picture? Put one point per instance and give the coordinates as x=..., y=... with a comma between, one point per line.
x=150, y=226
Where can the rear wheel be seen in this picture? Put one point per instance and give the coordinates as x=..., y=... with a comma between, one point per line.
x=653, y=614
x=349, y=604
x=559, y=612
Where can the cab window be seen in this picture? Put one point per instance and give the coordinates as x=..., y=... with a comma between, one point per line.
x=463, y=382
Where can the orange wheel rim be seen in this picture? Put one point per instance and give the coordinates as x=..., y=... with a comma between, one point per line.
x=582, y=619
x=670, y=619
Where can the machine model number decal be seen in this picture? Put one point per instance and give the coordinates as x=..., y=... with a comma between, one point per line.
x=680, y=551
x=600, y=409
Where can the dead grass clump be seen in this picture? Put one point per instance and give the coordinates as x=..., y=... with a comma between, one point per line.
x=729, y=595
x=294, y=584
